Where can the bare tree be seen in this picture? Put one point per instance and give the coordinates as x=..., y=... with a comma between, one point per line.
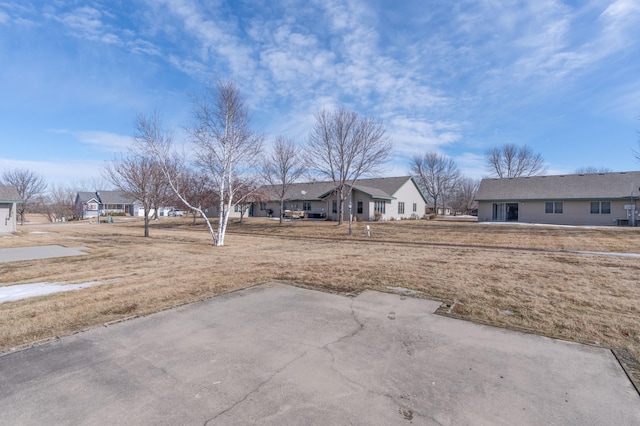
x=510, y=161
x=343, y=147
x=464, y=194
x=282, y=168
x=197, y=189
x=436, y=174
x=28, y=184
x=225, y=149
x=158, y=142
x=58, y=203
x=135, y=176
x=591, y=169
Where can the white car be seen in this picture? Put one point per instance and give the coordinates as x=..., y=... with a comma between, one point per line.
x=175, y=213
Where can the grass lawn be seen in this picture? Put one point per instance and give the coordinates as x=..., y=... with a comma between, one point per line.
x=513, y=276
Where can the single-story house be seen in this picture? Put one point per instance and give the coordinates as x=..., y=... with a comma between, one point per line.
x=9, y=197
x=576, y=199
x=371, y=199
x=87, y=204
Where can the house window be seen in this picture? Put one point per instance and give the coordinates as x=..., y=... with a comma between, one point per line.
x=400, y=207
x=603, y=207
x=415, y=207
x=237, y=208
x=379, y=207
x=334, y=206
x=92, y=206
x=306, y=205
x=553, y=207
x=263, y=206
x=359, y=207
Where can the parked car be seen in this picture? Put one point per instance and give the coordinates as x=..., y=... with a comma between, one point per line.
x=175, y=212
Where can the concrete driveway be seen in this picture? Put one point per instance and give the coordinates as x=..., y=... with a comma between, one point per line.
x=38, y=252
x=282, y=355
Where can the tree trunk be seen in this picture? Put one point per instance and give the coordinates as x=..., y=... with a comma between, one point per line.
x=281, y=210
x=146, y=222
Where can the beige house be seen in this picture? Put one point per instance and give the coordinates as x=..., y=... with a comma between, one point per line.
x=379, y=199
x=8, y=199
x=577, y=199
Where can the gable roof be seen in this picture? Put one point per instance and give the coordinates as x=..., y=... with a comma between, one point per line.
x=9, y=194
x=377, y=188
x=590, y=186
x=108, y=197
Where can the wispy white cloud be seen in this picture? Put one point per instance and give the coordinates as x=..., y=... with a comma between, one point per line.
x=58, y=172
x=102, y=141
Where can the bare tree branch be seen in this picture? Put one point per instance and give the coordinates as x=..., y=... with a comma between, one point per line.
x=510, y=161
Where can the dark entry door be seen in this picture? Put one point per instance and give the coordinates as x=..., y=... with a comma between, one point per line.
x=512, y=212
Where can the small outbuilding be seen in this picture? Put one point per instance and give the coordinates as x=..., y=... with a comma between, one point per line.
x=9, y=197
x=577, y=199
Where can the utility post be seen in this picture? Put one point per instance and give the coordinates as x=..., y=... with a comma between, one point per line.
x=99, y=205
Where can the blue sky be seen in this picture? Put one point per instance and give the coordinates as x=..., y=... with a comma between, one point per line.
x=453, y=77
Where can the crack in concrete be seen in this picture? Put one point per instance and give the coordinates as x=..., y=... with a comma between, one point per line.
x=284, y=367
x=256, y=389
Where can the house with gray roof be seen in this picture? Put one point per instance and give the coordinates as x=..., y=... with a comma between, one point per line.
x=576, y=199
x=88, y=205
x=9, y=197
x=379, y=198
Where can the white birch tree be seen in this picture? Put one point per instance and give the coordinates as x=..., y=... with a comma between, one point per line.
x=151, y=137
x=226, y=148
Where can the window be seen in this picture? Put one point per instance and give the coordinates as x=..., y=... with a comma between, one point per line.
x=263, y=206
x=359, y=207
x=400, y=207
x=553, y=207
x=548, y=207
x=334, y=206
x=379, y=206
x=306, y=205
x=603, y=207
x=415, y=207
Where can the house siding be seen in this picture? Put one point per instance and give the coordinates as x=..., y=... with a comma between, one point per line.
x=575, y=212
x=7, y=217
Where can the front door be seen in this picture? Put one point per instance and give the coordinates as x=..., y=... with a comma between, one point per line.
x=512, y=212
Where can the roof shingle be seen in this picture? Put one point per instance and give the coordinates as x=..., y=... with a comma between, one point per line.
x=589, y=186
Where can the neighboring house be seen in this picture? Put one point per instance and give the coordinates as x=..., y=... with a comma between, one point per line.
x=87, y=204
x=578, y=199
x=442, y=211
x=8, y=199
x=379, y=198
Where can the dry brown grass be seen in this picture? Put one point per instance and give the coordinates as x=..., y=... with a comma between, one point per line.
x=485, y=269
